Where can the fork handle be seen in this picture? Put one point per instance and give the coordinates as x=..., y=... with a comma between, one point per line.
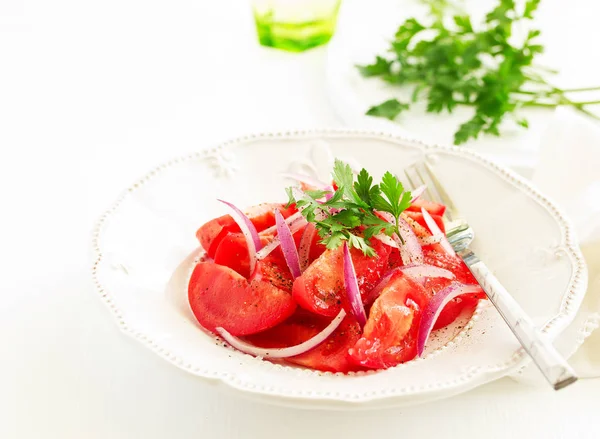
x=552, y=365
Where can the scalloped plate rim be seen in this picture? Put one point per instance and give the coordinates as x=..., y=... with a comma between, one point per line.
x=471, y=379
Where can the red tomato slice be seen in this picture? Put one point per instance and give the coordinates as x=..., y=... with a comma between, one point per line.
x=456, y=265
x=390, y=335
x=451, y=263
x=321, y=289
x=454, y=309
x=421, y=230
x=331, y=355
x=430, y=206
x=274, y=270
x=395, y=260
x=233, y=252
x=316, y=248
x=221, y=297
x=418, y=217
x=262, y=215
x=211, y=233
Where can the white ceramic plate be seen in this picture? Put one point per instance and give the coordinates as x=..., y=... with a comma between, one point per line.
x=145, y=247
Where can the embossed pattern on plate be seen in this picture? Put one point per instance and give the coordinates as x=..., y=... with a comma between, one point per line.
x=143, y=238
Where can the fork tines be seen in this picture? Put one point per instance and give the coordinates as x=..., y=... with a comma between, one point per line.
x=420, y=173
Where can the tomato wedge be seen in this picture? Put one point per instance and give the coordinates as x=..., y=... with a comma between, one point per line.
x=275, y=271
x=321, y=289
x=418, y=217
x=212, y=232
x=316, y=248
x=394, y=260
x=331, y=355
x=456, y=306
x=269, y=309
x=430, y=206
x=421, y=230
x=220, y=297
x=232, y=251
x=390, y=335
x=451, y=263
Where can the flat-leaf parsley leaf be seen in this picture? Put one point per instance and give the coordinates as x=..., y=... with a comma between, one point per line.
x=350, y=213
x=451, y=62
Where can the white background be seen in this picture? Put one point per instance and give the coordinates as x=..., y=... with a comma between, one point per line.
x=93, y=94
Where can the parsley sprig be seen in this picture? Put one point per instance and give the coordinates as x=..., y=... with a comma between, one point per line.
x=450, y=62
x=350, y=212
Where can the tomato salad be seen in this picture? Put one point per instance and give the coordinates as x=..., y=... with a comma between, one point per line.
x=346, y=276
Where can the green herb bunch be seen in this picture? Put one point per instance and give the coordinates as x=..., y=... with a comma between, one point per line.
x=350, y=212
x=456, y=64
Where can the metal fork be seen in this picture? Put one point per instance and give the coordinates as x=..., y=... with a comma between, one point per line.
x=552, y=365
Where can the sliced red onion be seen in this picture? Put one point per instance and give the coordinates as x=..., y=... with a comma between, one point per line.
x=429, y=240
x=274, y=243
x=290, y=220
x=306, y=179
x=288, y=246
x=352, y=290
x=414, y=271
x=387, y=240
x=305, y=244
x=386, y=216
x=298, y=193
x=435, y=307
x=268, y=249
x=328, y=196
x=425, y=270
x=249, y=231
x=417, y=228
x=435, y=230
x=291, y=351
x=411, y=251
x=417, y=193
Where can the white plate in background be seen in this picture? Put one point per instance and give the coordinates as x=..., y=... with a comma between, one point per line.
x=365, y=28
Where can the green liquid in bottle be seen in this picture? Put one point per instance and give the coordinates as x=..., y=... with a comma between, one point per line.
x=294, y=37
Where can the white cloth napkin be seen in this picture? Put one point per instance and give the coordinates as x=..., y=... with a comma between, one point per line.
x=569, y=172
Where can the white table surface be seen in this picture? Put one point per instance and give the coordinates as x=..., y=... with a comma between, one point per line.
x=93, y=94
